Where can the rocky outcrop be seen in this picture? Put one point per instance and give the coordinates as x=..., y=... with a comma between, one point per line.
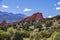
x=35, y=16
x=3, y=23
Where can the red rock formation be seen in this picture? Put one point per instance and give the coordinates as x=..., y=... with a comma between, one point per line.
x=3, y=23
x=35, y=16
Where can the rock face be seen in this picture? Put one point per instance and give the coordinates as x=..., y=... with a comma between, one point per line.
x=3, y=23
x=35, y=16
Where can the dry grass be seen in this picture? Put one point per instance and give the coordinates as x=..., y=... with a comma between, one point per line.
x=26, y=38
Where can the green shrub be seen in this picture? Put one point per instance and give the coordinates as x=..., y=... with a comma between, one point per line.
x=4, y=35
x=25, y=34
x=48, y=23
x=37, y=36
x=17, y=36
x=4, y=28
x=32, y=35
x=10, y=30
x=56, y=36
x=45, y=33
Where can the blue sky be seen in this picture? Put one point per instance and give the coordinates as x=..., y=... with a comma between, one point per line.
x=47, y=7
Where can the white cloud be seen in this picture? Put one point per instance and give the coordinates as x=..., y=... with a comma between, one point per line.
x=57, y=8
x=58, y=3
x=49, y=16
x=27, y=9
x=4, y=6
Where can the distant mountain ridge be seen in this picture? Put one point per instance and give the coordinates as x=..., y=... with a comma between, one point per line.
x=10, y=17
